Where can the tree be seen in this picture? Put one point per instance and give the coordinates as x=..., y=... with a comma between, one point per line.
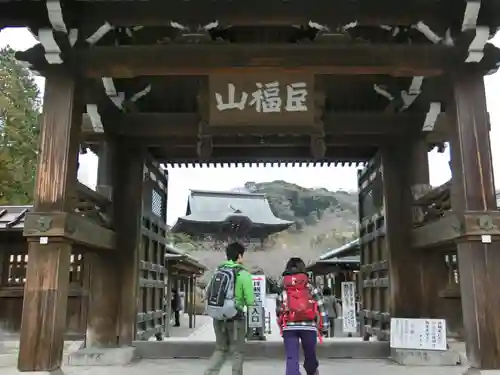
x=19, y=113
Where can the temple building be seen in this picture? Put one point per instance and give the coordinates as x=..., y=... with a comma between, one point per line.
x=217, y=217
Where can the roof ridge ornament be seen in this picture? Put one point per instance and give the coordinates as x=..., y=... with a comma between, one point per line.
x=235, y=210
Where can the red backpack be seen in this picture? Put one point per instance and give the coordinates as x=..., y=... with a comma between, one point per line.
x=298, y=303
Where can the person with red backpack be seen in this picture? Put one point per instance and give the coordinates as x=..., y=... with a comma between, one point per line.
x=301, y=317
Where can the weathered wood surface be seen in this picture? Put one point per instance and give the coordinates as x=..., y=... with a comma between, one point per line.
x=158, y=126
x=454, y=226
x=47, y=278
x=128, y=175
x=13, y=262
x=69, y=226
x=180, y=59
x=404, y=165
x=473, y=189
x=105, y=273
x=261, y=12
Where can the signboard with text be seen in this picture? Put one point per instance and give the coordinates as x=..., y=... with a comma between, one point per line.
x=264, y=98
x=419, y=334
x=349, y=321
x=259, y=289
x=255, y=316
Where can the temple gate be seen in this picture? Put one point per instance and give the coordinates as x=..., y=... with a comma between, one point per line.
x=266, y=82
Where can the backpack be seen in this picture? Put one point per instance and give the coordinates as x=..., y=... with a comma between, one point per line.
x=298, y=303
x=220, y=303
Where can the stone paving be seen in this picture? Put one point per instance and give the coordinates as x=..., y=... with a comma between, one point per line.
x=206, y=332
x=261, y=367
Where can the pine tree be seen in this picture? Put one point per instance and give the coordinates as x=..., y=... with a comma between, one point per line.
x=19, y=127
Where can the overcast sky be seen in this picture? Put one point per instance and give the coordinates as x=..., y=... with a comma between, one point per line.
x=183, y=179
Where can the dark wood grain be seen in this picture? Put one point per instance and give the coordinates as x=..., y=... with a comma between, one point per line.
x=473, y=189
x=47, y=278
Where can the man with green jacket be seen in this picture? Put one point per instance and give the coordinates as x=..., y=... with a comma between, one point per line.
x=226, y=308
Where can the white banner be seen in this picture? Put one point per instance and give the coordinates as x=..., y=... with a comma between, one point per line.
x=349, y=321
x=423, y=334
x=259, y=289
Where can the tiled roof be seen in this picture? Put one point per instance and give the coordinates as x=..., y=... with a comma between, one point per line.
x=219, y=207
x=12, y=217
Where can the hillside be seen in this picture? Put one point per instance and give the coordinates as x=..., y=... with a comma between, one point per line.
x=323, y=220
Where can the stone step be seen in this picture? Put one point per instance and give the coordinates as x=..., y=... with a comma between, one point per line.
x=329, y=349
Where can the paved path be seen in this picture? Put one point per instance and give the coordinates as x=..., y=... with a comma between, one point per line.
x=205, y=332
x=262, y=367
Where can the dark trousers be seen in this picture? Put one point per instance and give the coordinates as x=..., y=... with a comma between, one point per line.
x=332, y=327
x=292, y=349
x=177, y=317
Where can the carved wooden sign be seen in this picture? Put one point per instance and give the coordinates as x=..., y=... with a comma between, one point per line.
x=266, y=98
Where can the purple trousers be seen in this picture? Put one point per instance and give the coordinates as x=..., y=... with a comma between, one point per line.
x=292, y=351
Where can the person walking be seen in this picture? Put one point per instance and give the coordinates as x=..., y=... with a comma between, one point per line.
x=229, y=291
x=301, y=317
x=175, y=306
x=331, y=304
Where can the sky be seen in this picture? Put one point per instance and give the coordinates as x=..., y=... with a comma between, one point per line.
x=181, y=180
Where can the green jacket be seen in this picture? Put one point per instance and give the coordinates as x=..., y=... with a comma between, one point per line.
x=243, y=291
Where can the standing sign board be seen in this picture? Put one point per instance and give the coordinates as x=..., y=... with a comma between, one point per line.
x=418, y=334
x=256, y=312
x=349, y=322
x=255, y=317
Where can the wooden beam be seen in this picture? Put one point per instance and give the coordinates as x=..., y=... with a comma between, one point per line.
x=168, y=125
x=262, y=154
x=262, y=12
x=453, y=227
x=181, y=59
x=444, y=230
x=333, y=13
x=473, y=189
x=70, y=226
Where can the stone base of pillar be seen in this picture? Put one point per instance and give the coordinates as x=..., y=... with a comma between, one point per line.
x=102, y=356
x=475, y=371
x=409, y=357
x=53, y=372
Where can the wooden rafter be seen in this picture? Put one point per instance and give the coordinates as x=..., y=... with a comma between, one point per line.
x=260, y=12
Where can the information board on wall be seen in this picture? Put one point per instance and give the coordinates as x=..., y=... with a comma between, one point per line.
x=349, y=322
x=419, y=334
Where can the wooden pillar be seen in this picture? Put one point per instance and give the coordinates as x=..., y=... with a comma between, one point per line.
x=168, y=306
x=47, y=274
x=105, y=284
x=128, y=179
x=185, y=286
x=404, y=165
x=473, y=192
x=192, y=302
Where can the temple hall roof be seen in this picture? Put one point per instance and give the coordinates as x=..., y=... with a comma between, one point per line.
x=222, y=207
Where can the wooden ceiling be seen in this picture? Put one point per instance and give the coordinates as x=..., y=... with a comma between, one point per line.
x=366, y=58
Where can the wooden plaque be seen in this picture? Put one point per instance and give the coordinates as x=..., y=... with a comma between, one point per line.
x=260, y=99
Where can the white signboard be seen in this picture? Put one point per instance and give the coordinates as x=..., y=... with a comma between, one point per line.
x=255, y=316
x=349, y=322
x=267, y=98
x=423, y=334
x=259, y=289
